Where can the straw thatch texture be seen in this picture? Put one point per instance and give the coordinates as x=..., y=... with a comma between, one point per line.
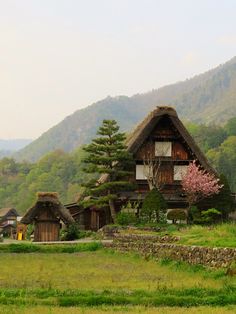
x=56, y=206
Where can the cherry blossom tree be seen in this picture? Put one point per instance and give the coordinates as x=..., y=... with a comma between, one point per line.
x=199, y=184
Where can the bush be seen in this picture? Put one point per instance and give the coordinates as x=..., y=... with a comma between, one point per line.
x=211, y=215
x=195, y=215
x=72, y=232
x=29, y=231
x=176, y=214
x=154, y=206
x=126, y=218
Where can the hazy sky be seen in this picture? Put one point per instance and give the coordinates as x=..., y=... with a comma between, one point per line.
x=57, y=56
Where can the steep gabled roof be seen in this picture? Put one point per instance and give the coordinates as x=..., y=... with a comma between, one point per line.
x=57, y=206
x=143, y=130
x=8, y=211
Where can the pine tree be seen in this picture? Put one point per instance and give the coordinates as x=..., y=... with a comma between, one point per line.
x=107, y=156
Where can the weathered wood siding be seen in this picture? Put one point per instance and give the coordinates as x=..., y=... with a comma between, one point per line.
x=47, y=226
x=46, y=231
x=180, y=154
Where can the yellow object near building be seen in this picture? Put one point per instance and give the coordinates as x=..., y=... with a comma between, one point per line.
x=19, y=236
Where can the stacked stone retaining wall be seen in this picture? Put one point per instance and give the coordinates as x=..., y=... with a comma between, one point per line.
x=168, y=247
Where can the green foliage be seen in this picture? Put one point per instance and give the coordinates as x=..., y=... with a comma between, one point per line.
x=194, y=214
x=207, y=137
x=56, y=171
x=211, y=215
x=224, y=159
x=223, y=201
x=230, y=127
x=176, y=214
x=153, y=205
x=71, y=232
x=107, y=155
x=29, y=231
x=60, y=248
x=126, y=218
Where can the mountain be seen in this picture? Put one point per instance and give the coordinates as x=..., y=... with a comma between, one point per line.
x=209, y=97
x=8, y=147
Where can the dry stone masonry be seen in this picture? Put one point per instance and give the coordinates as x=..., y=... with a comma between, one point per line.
x=167, y=247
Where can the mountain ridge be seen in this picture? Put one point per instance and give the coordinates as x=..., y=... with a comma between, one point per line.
x=209, y=97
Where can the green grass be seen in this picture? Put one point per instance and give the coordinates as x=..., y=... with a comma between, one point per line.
x=160, y=297
x=104, y=281
x=116, y=310
x=101, y=270
x=60, y=248
x=221, y=235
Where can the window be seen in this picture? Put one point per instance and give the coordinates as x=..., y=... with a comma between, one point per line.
x=163, y=149
x=179, y=172
x=141, y=172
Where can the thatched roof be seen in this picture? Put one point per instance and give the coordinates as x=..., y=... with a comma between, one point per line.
x=56, y=205
x=144, y=129
x=9, y=211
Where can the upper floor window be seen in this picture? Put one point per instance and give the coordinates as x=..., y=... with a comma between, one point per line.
x=163, y=149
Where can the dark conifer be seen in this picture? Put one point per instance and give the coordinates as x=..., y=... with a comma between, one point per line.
x=107, y=156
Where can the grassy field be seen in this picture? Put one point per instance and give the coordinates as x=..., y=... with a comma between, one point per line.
x=116, y=310
x=222, y=235
x=102, y=270
x=106, y=282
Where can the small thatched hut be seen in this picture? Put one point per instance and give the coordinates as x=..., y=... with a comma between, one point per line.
x=46, y=215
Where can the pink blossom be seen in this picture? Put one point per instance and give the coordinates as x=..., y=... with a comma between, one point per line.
x=199, y=184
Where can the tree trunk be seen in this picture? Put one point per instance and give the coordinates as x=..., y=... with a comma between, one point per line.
x=112, y=210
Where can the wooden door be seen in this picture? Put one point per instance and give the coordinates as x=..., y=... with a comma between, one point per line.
x=46, y=231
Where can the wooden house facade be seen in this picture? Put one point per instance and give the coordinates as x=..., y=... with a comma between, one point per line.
x=163, y=148
x=163, y=143
x=47, y=215
x=8, y=221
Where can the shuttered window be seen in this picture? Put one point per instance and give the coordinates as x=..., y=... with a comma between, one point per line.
x=141, y=172
x=163, y=149
x=179, y=172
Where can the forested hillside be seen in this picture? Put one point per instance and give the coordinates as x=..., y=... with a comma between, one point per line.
x=206, y=98
x=62, y=172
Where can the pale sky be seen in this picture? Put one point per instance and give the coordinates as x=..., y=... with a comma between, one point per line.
x=57, y=56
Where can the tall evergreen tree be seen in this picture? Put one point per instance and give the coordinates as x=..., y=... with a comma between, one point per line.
x=107, y=155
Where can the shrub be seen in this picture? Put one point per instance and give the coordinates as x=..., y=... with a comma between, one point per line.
x=126, y=218
x=29, y=231
x=153, y=207
x=211, y=215
x=72, y=232
x=176, y=214
x=195, y=215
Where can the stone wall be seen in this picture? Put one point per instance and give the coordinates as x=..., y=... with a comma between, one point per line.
x=167, y=247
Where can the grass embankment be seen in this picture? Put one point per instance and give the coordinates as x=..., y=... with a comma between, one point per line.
x=222, y=235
